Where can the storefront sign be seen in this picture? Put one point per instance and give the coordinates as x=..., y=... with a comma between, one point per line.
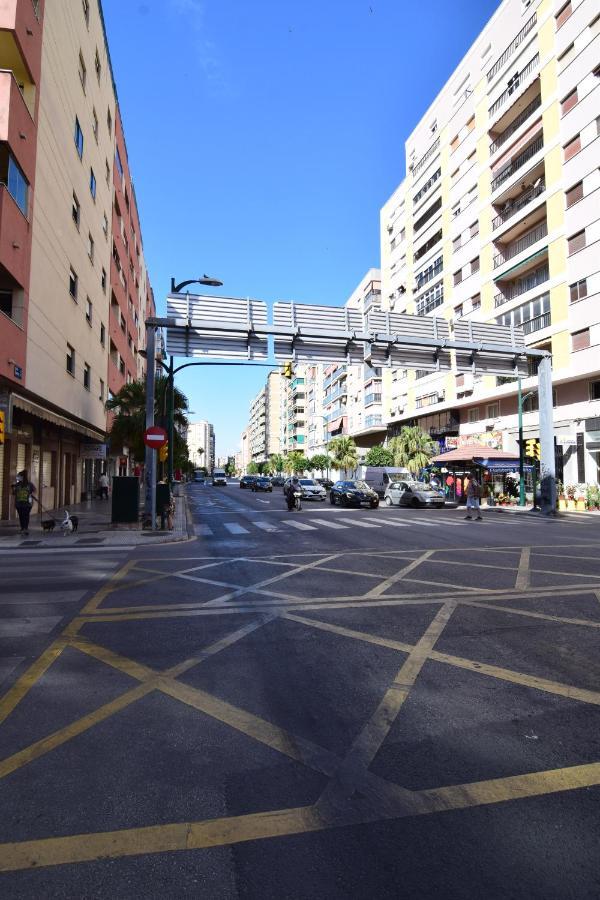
x=93, y=451
x=491, y=439
x=6, y=409
x=567, y=440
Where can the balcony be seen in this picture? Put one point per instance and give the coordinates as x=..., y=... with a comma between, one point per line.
x=515, y=82
x=522, y=285
x=424, y=309
x=331, y=398
x=15, y=237
x=516, y=123
x=374, y=420
x=338, y=373
x=371, y=299
x=17, y=127
x=335, y=413
x=370, y=399
x=512, y=47
x=512, y=207
x=537, y=323
x=517, y=163
x=426, y=156
x=512, y=250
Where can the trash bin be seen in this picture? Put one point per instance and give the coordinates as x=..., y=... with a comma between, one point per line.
x=163, y=496
x=125, y=499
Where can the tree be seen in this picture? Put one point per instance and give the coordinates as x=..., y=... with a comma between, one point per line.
x=344, y=454
x=320, y=462
x=295, y=463
x=252, y=468
x=277, y=463
x=412, y=449
x=379, y=456
x=129, y=423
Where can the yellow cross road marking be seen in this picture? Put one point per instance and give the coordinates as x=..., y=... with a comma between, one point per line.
x=110, y=586
x=388, y=582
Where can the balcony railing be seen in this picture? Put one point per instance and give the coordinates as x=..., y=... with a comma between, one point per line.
x=335, y=413
x=427, y=155
x=370, y=399
x=527, y=283
x=536, y=234
x=516, y=123
x=370, y=421
x=330, y=398
x=537, y=323
x=429, y=273
x=341, y=370
x=371, y=298
x=517, y=162
x=430, y=305
x=513, y=207
x=514, y=85
x=514, y=45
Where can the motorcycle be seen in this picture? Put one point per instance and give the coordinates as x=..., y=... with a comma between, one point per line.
x=298, y=500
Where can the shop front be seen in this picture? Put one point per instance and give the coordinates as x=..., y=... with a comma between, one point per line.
x=497, y=471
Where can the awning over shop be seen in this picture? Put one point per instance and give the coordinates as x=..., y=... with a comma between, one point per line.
x=473, y=454
x=501, y=465
x=35, y=409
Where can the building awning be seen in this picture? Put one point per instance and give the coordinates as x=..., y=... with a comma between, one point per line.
x=519, y=265
x=47, y=415
x=473, y=454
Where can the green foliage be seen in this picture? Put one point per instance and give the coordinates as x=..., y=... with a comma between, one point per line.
x=320, y=462
x=379, y=456
x=344, y=453
x=252, y=468
x=295, y=463
x=412, y=449
x=277, y=463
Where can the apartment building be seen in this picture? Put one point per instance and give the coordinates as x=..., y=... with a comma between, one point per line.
x=265, y=424
x=57, y=233
x=201, y=444
x=498, y=220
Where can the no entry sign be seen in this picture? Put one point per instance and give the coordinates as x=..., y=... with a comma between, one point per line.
x=155, y=437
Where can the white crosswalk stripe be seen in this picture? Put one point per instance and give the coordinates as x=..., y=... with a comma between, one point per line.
x=203, y=530
x=266, y=526
x=234, y=528
x=328, y=524
x=391, y=522
x=360, y=523
x=301, y=526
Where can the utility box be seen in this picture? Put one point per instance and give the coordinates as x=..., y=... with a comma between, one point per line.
x=125, y=499
x=163, y=498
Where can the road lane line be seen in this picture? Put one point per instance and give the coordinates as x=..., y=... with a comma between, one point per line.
x=360, y=523
x=328, y=524
x=524, y=573
x=301, y=526
x=203, y=530
x=266, y=526
x=235, y=528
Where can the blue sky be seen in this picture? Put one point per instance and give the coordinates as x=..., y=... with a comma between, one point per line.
x=265, y=136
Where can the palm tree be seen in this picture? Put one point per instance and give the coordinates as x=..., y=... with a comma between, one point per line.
x=129, y=422
x=277, y=463
x=344, y=454
x=295, y=462
x=412, y=448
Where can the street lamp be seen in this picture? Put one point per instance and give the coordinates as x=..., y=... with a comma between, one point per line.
x=206, y=279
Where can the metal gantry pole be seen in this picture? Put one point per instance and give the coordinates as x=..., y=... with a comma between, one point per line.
x=547, y=460
x=170, y=422
x=521, y=447
x=150, y=457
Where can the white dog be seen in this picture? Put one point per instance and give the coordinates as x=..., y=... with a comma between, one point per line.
x=70, y=523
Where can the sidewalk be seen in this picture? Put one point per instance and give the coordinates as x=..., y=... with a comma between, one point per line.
x=95, y=528
x=521, y=510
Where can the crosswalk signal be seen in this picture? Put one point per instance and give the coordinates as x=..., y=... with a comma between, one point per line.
x=163, y=453
x=532, y=448
x=287, y=369
x=1, y=426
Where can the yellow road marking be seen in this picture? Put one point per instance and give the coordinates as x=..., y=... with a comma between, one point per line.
x=108, y=587
x=388, y=582
x=27, y=680
x=587, y=623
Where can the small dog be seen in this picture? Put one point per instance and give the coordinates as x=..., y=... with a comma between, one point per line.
x=70, y=523
x=49, y=525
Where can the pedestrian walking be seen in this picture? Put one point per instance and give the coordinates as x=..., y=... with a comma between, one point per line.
x=24, y=494
x=103, y=483
x=473, y=497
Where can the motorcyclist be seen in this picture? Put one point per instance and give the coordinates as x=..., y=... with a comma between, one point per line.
x=291, y=488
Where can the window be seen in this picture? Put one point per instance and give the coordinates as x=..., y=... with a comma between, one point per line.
x=70, y=360
x=563, y=14
x=91, y=247
x=578, y=290
x=97, y=65
x=454, y=143
x=581, y=339
x=471, y=124
x=458, y=311
x=14, y=179
x=88, y=311
x=458, y=277
x=122, y=322
x=475, y=265
x=121, y=365
x=573, y=147
x=73, y=283
x=82, y=71
x=87, y=376
x=119, y=163
x=6, y=303
x=569, y=102
x=474, y=229
x=576, y=242
x=86, y=11
x=492, y=410
x=101, y=397
x=95, y=124
x=574, y=194
x=103, y=280
x=456, y=243
x=109, y=121
x=105, y=225
x=474, y=414
x=76, y=210
x=594, y=390
x=456, y=210
x=78, y=138
x=102, y=333
x=476, y=302
x=107, y=171
x=92, y=184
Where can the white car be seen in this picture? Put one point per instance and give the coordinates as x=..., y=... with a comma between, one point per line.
x=312, y=490
x=413, y=493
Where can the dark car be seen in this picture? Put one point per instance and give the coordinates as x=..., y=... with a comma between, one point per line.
x=353, y=493
x=262, y=484
x=246, y=481
x=278, y=481
x=326, y=482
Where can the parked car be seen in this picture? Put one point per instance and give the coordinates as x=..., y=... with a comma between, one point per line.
x=326, y=482
x=312, y=490
x=277, y=480
x=413, y=493
x=199, y=478
x=262, y=484
x=353, y=493
x=246, y=481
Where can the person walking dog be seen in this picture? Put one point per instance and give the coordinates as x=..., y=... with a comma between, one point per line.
x=473, y=497
x=24, y=494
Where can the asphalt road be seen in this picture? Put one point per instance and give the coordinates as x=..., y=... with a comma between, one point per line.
x=319, y=704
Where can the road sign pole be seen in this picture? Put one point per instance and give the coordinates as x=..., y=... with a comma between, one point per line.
x=547, y=458
x=170, y=425
x=150, y=457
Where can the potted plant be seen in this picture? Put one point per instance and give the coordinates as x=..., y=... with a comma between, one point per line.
x=592, y=496
x=570, y=489
x=580, y=504
x=560, y=493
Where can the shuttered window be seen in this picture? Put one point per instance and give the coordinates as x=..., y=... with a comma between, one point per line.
x=577, y=242
x=575, y=193
x=563, y=14
x=573, y=147
x=569, y=102
x=581, y=339
x=578, y=290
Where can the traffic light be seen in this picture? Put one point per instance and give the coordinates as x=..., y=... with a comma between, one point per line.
x=1, y=426
x=287, y=369
x=533, y=449
x=163, y=453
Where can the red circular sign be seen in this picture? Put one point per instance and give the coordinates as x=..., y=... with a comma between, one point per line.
x=155, y=437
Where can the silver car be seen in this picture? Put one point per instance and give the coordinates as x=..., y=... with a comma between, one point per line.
x=312, y=490
x=413, y=493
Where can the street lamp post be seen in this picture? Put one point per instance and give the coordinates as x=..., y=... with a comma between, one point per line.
x=521, y=401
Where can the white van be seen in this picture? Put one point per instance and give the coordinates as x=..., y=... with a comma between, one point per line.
x=378, y=477
x=219, y=477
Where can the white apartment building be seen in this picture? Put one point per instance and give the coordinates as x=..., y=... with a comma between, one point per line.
x=498, y=220
x=201, y=444
x=264, y=427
